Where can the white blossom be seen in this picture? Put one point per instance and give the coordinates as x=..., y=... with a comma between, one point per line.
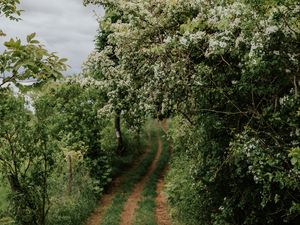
x=271, y=29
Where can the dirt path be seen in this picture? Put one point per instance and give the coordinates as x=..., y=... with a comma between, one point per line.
x=132, y=203
x=104, y=203
x=162, y=214
x=106, y=199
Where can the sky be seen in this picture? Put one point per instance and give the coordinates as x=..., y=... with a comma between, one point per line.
x=63, y=26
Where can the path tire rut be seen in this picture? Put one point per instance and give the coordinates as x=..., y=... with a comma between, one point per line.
x=97, y=216
x=132, y=203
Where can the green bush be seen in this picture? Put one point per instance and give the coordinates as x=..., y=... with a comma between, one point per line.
x=72, y=205
x=249, y=177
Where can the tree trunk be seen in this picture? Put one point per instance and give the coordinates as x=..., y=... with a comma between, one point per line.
x=120, y=145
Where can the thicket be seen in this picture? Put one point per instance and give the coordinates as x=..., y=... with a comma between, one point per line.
x=228, y=73
x=58, y=152
x=55, y=159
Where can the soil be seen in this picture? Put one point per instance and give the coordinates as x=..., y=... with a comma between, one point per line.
x=162, y=212
x=106, y=199
x=132, y=203
x=127, y=216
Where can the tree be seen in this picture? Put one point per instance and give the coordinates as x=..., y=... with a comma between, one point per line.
x=27, y=157
x=74, y=122
x=235, y=82
x=105, y=66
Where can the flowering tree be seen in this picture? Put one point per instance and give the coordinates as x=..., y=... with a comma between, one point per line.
x=104, y=66
x=231, y=70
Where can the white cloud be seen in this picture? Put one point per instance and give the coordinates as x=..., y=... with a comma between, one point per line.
x=64, y=26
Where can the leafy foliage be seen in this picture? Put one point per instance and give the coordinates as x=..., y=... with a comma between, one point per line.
x=73, y=115
x=27, y=154
x=23, y=61
x=232, y=81
x=27, y=159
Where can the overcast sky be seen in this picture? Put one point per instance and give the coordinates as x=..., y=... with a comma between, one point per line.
x=64, y=26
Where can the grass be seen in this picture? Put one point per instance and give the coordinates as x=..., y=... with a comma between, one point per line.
x=145, y=214
x=113, y=214
x=4, y=204
x=3, y=196
x=72, y=210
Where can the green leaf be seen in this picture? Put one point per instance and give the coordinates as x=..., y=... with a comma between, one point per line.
x=294, y=161
x=63, y=60
x=30, y=37
x=9, y=43
x=34, y=42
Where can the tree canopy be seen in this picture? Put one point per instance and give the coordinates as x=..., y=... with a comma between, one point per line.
x=230, y=71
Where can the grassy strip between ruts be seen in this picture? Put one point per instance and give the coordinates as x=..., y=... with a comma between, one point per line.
x=145, y=214
x=113, y=214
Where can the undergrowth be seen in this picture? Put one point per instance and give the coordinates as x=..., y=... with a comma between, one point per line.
x=113, y=214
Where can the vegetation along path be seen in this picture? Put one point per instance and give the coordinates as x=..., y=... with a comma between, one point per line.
x=132, y=202
x=162, y=213
x=124, y=204
x=106, y=199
